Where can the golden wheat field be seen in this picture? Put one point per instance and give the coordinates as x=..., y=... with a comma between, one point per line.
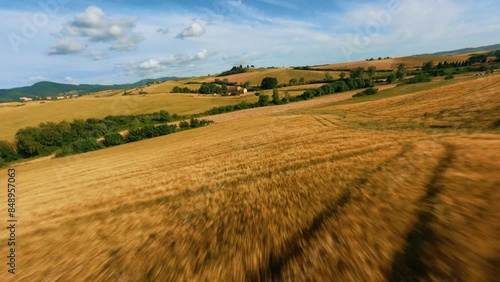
x=403, y=188
x=283, y=75
x=14, y=116
x=393, y=63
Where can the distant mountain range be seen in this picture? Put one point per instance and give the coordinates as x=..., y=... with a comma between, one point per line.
x=47, y=88
x=464, y=50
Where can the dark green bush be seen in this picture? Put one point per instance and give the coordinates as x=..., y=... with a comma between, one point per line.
x=8, y=152
x=184, y=125
x=269, y=83
x=420, y=78
x=263, y=100
x=85, y=145
x=367, y=92
x=113, y=139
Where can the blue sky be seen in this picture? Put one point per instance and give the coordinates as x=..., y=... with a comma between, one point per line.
x=121, y=41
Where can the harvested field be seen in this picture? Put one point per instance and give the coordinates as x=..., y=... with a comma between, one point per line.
x=283, y=75
x=31, y=114
x=469, y=104
x=393, y=63
x=296, y=192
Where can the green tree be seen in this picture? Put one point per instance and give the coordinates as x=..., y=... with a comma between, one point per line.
x=85, y=145
x=8, y=151
x=204, y=89
x=343, y=75
x=247, y=85
x=269, y=83
x=276, y=96
x=401, y=72
x=113, y=139
x=423, y=77
x=428, y=66
x=164, y=116
x=224, y=89
x=371, y=71
x=391, y=78
x=293, y=81
x=302, y=81
x=357, y=72
x=328, y=76
x=263, y=100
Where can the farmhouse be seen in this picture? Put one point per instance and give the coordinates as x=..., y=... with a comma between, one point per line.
x=491, y=59
x=25, y=99
x=236, y=90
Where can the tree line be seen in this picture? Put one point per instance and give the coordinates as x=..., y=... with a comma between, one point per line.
x=340, y=85
x=64, y=138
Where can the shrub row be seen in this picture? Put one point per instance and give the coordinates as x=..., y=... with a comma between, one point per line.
x=338, y=86
x=80, y=136
x=47, y=137
x=134, y=135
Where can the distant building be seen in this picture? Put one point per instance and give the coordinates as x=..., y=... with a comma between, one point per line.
x=48, y=98
x=25, y=99
x=236, y=90
x=491, y=59
x=60, y=97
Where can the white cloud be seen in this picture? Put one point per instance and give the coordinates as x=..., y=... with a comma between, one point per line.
x=149, y=64
x=94, y=26
x=195, y=30
x=128, y=43
x=154, y=66
x=69, y=79
x=67, y=46
x=182, y=60
x=37, y=78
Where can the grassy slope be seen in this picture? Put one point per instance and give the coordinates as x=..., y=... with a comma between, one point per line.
x=301, y=194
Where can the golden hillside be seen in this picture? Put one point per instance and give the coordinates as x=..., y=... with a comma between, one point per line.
x=357, y=190
x=393, y=63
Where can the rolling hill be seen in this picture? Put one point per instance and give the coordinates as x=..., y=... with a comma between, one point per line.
x=47, y=88
x=465, y=50
x=400, y=186
x=411, y=62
